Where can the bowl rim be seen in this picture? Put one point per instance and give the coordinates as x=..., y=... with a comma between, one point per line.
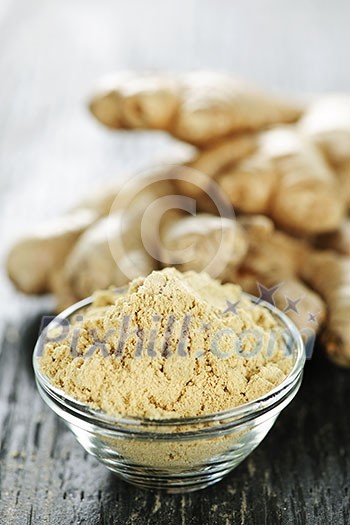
x=253, y=408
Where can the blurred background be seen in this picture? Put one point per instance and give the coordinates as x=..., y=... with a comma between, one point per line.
x=52, y=54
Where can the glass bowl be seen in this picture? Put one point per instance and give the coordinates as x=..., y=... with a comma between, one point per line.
x=178, y=455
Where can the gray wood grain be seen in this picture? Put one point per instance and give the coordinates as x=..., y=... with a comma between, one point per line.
x=51, y=151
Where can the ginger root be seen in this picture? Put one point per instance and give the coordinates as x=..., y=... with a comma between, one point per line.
x=36, y=257
x=338, y=240
x=224, y=153
x=250, y=184
x=198, y=107
x=342, y=172
x=277, y=172
x=210, y=161
x=131, y=100
x=288, y=180
x=91, y=265
x=252, y=254
x=273, y=261
x=203, y=243
x=329, y=274
x=253, y=158
x=112, y=251
x=247, y=251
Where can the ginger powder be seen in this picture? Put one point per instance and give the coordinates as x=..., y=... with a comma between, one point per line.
x=169, y=345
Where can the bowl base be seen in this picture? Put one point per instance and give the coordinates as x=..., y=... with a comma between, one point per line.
x=172, y=485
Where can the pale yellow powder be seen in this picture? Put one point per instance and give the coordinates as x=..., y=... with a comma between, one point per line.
x=212, y=365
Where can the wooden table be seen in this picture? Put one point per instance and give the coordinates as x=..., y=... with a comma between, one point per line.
x=51, y=151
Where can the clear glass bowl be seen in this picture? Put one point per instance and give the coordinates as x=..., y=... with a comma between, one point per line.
x=178, y=455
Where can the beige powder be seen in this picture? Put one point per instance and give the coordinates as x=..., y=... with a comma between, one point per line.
x=170, y=345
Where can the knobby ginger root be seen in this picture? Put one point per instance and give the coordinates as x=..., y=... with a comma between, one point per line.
x=210, y=161
x=287, y=179
x=224, y=153
x=278, y=173
x=197, y=107
x=329, y=274
x=133, y=100
x=213, y=105
x=273, y=260
x=343, y=180
x=306, y=197
x=338, y=240
x=257, y=225
x=112, y=251
x=92, y=265
x=271, y=250
x=250, y=184
x=327, y=123
x=33, y=259
x=302, y=305
x=252, y=252
x=34, y=263
x=203, y=243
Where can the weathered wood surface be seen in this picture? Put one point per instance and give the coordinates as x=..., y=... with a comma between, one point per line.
x=50, y=56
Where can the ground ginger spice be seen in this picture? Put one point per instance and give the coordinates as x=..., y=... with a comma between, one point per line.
x=171, y=345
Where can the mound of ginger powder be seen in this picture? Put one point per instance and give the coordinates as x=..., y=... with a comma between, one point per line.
x=170, y=345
